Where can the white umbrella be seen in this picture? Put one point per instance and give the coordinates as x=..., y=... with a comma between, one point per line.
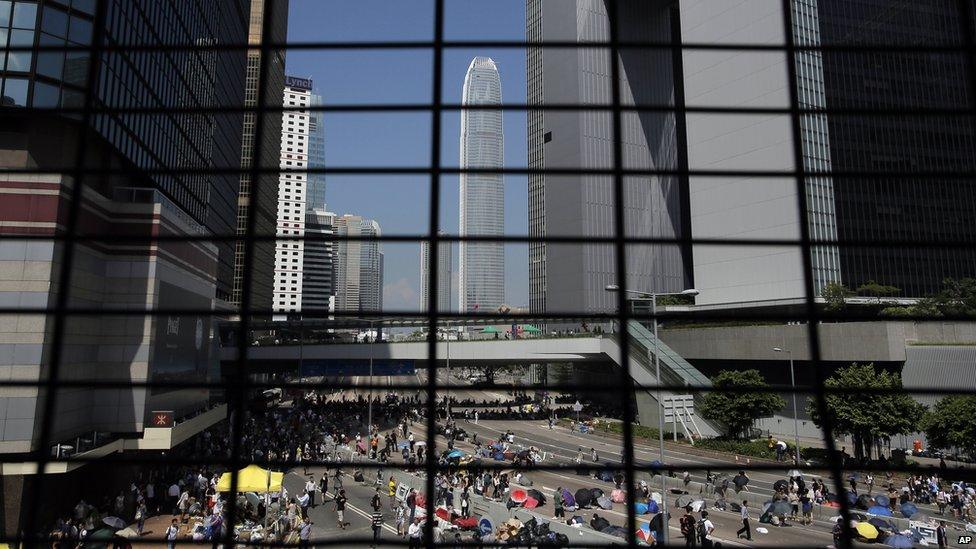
x=794, y=473
x=421, y=443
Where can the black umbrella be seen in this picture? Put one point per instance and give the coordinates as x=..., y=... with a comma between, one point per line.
x=780, y=485
x=583, y=497
x=864, y=501
x=537, y=495
x=740, y=480
x=597, y=493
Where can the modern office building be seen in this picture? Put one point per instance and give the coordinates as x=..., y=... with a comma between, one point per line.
x=263, y=196
x=750, y=206
x=445, y=262
x=292, y=186
x=318, y=280
x=481, y=277
x=156, y=183
x=315, y=197
x=358, y=265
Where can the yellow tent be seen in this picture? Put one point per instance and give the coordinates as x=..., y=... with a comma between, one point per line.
x=252, y=479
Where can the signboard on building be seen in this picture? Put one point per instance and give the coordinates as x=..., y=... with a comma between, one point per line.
x=296, y=82
x=161, y=419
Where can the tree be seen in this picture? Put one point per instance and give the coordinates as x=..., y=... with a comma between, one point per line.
x=958, y=297
x=737, y=408
x=873, y=289
x=951, y=424
x=834, y=294
x=869, y=417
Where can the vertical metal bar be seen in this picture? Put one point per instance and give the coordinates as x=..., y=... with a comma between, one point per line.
x=240, y=376
x=812, y=314
x=61, y=306
x=660, y=417
x=620, y=248
x=434, y=249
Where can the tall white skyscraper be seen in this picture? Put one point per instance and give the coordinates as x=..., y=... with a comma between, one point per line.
x=358, y=265
x=481, y=281
x=445, y=260
x=292, y=186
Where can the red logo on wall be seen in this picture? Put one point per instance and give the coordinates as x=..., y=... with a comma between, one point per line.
x=161, y=419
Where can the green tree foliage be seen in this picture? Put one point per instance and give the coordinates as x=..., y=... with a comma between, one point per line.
x=951, y=423
x=873, y=289
x=738, y=408
x=957, y=298
x=834, y=295
x=868, y=417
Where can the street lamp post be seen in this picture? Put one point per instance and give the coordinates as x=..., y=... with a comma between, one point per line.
x=796, y=428
x=660, y=402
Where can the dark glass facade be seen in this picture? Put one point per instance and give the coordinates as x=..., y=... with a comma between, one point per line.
x=902, y=208
x=159, y=79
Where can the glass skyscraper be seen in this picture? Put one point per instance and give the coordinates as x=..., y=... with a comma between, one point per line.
x=482, y=209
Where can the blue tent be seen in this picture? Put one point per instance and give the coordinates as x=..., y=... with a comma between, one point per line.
x=899, y=541
x=640, y=508
x=652, y=507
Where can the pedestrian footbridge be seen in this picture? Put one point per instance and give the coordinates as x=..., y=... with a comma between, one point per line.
x=675, y=371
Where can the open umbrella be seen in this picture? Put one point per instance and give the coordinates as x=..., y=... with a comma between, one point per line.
x=640, y=508
x=882, y=524
x=537, y=495
x=644, y=533
x=866, y=530
x=780, y=508
x=530, y=329
x=652, y=507
x=882, y=501
x=403, y=444
x=421, y=443
x=793, y=473
x=740, y=480
x=583, y=497
x=683, y=501
x=114, y=522
x=899, y=541
x=531, y=503
x=780, y=485
x=908, y=509
x=490, y=330
x=518, y=495
x=128, y=533
x=597, y=493
x=455, y=454
x=604, y=503
x=863, y=501
x=618, y=496
x=879, y=510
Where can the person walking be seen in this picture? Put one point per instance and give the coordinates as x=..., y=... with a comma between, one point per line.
x=745, y=522
x=171, y=534
x=401, y=518
x=377, y=525
x=324, y=485
x=559, y=503
x=705, y=529
x=340, y=507
x=941, y=536
x=687, y=525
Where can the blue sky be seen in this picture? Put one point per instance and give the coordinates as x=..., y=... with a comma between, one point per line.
x=400, y=203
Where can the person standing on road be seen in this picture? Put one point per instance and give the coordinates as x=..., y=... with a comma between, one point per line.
x=687, y=524
x=745, y=523
x=392, y=486
x=412, y=504
x=377, y=524
x=414, y=532
x=593, y=455
x=941, y=536
x=558, y=503
x=310, y=488
x=324, y=485
x=476, y=417
x=340, y=506
x=376, y=503
x=401, y=517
